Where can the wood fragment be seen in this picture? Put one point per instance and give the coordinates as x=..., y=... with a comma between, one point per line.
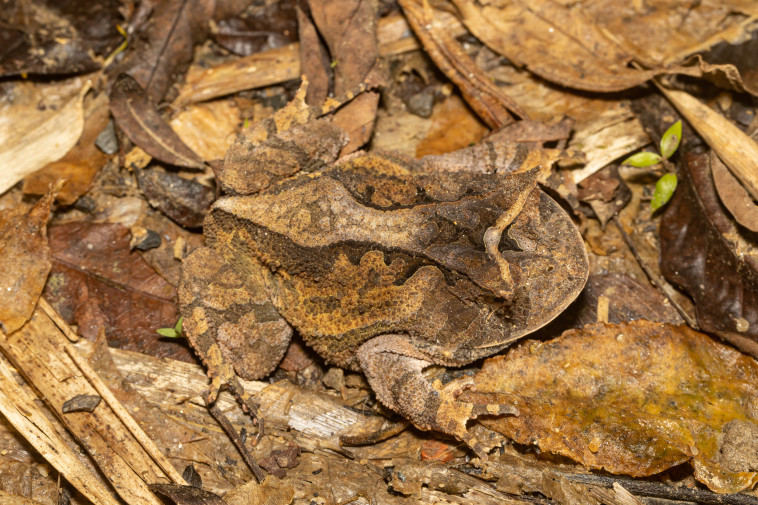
x=738, y=151
x=19, y=407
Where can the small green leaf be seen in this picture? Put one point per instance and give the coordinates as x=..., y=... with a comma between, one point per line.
x=334, y=63
x=175, y=332
x=643, y=159
x=664, y=188
x=670, y=140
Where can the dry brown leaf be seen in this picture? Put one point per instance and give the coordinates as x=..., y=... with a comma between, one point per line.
x=733, y=195
x=26, y=260
x=208, y=129
x=489, y=102
x=634, y=398
x=38, y=127
x=81, y=164
x=453, y=127
x=581, y=55
x=349, y=30
x=137, y=115
x=659, y=32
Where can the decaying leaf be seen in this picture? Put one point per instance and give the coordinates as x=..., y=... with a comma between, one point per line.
x=98, y=282
x=634, y=398
x=26, y=260
x=31, y=138
x=258, y=28
x=703, y=252
x=49, y=38
x=271, y=492
x=137, y=116
x=183, y=200
x=164, y=44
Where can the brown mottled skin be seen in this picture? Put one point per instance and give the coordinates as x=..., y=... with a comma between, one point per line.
x=383, y=264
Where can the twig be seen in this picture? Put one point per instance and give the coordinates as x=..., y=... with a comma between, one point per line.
x=219, y=416
x=653, y=277
x=660, y=490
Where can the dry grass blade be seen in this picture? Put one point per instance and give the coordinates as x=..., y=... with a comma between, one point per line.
x=18, y=406
x=738, y=151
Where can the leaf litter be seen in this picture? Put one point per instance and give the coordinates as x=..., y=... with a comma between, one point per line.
x=127, y=292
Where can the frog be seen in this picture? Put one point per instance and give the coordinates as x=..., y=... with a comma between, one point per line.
x=383, y=264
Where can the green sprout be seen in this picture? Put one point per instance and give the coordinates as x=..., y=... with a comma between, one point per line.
x=175, y=332
x=666, y=185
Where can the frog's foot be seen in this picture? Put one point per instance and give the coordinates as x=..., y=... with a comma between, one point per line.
x=393, y=367
x=230, y=321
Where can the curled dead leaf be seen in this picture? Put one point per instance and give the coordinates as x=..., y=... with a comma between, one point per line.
x=137, y=116
x=733, y=195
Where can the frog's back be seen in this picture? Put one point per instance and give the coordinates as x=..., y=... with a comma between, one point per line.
x=369, y=248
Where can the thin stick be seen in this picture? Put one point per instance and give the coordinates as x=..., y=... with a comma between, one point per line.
x=57, y=319
x=653, y=277
x=238, y=443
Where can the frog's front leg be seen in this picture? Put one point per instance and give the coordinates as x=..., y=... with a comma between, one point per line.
x=230, y=321
x=393, y=366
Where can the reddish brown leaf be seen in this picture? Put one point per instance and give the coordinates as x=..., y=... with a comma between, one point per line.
x=614, y=298
x=97, y=281
x=453, y=127
x=136, y=115
x=633, y=398
x=26, y=260
x=349, y=30
x=578, y=55
x=703, y=252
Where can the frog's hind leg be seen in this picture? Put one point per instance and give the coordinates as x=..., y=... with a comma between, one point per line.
x=393, y=366
x=230, y=321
